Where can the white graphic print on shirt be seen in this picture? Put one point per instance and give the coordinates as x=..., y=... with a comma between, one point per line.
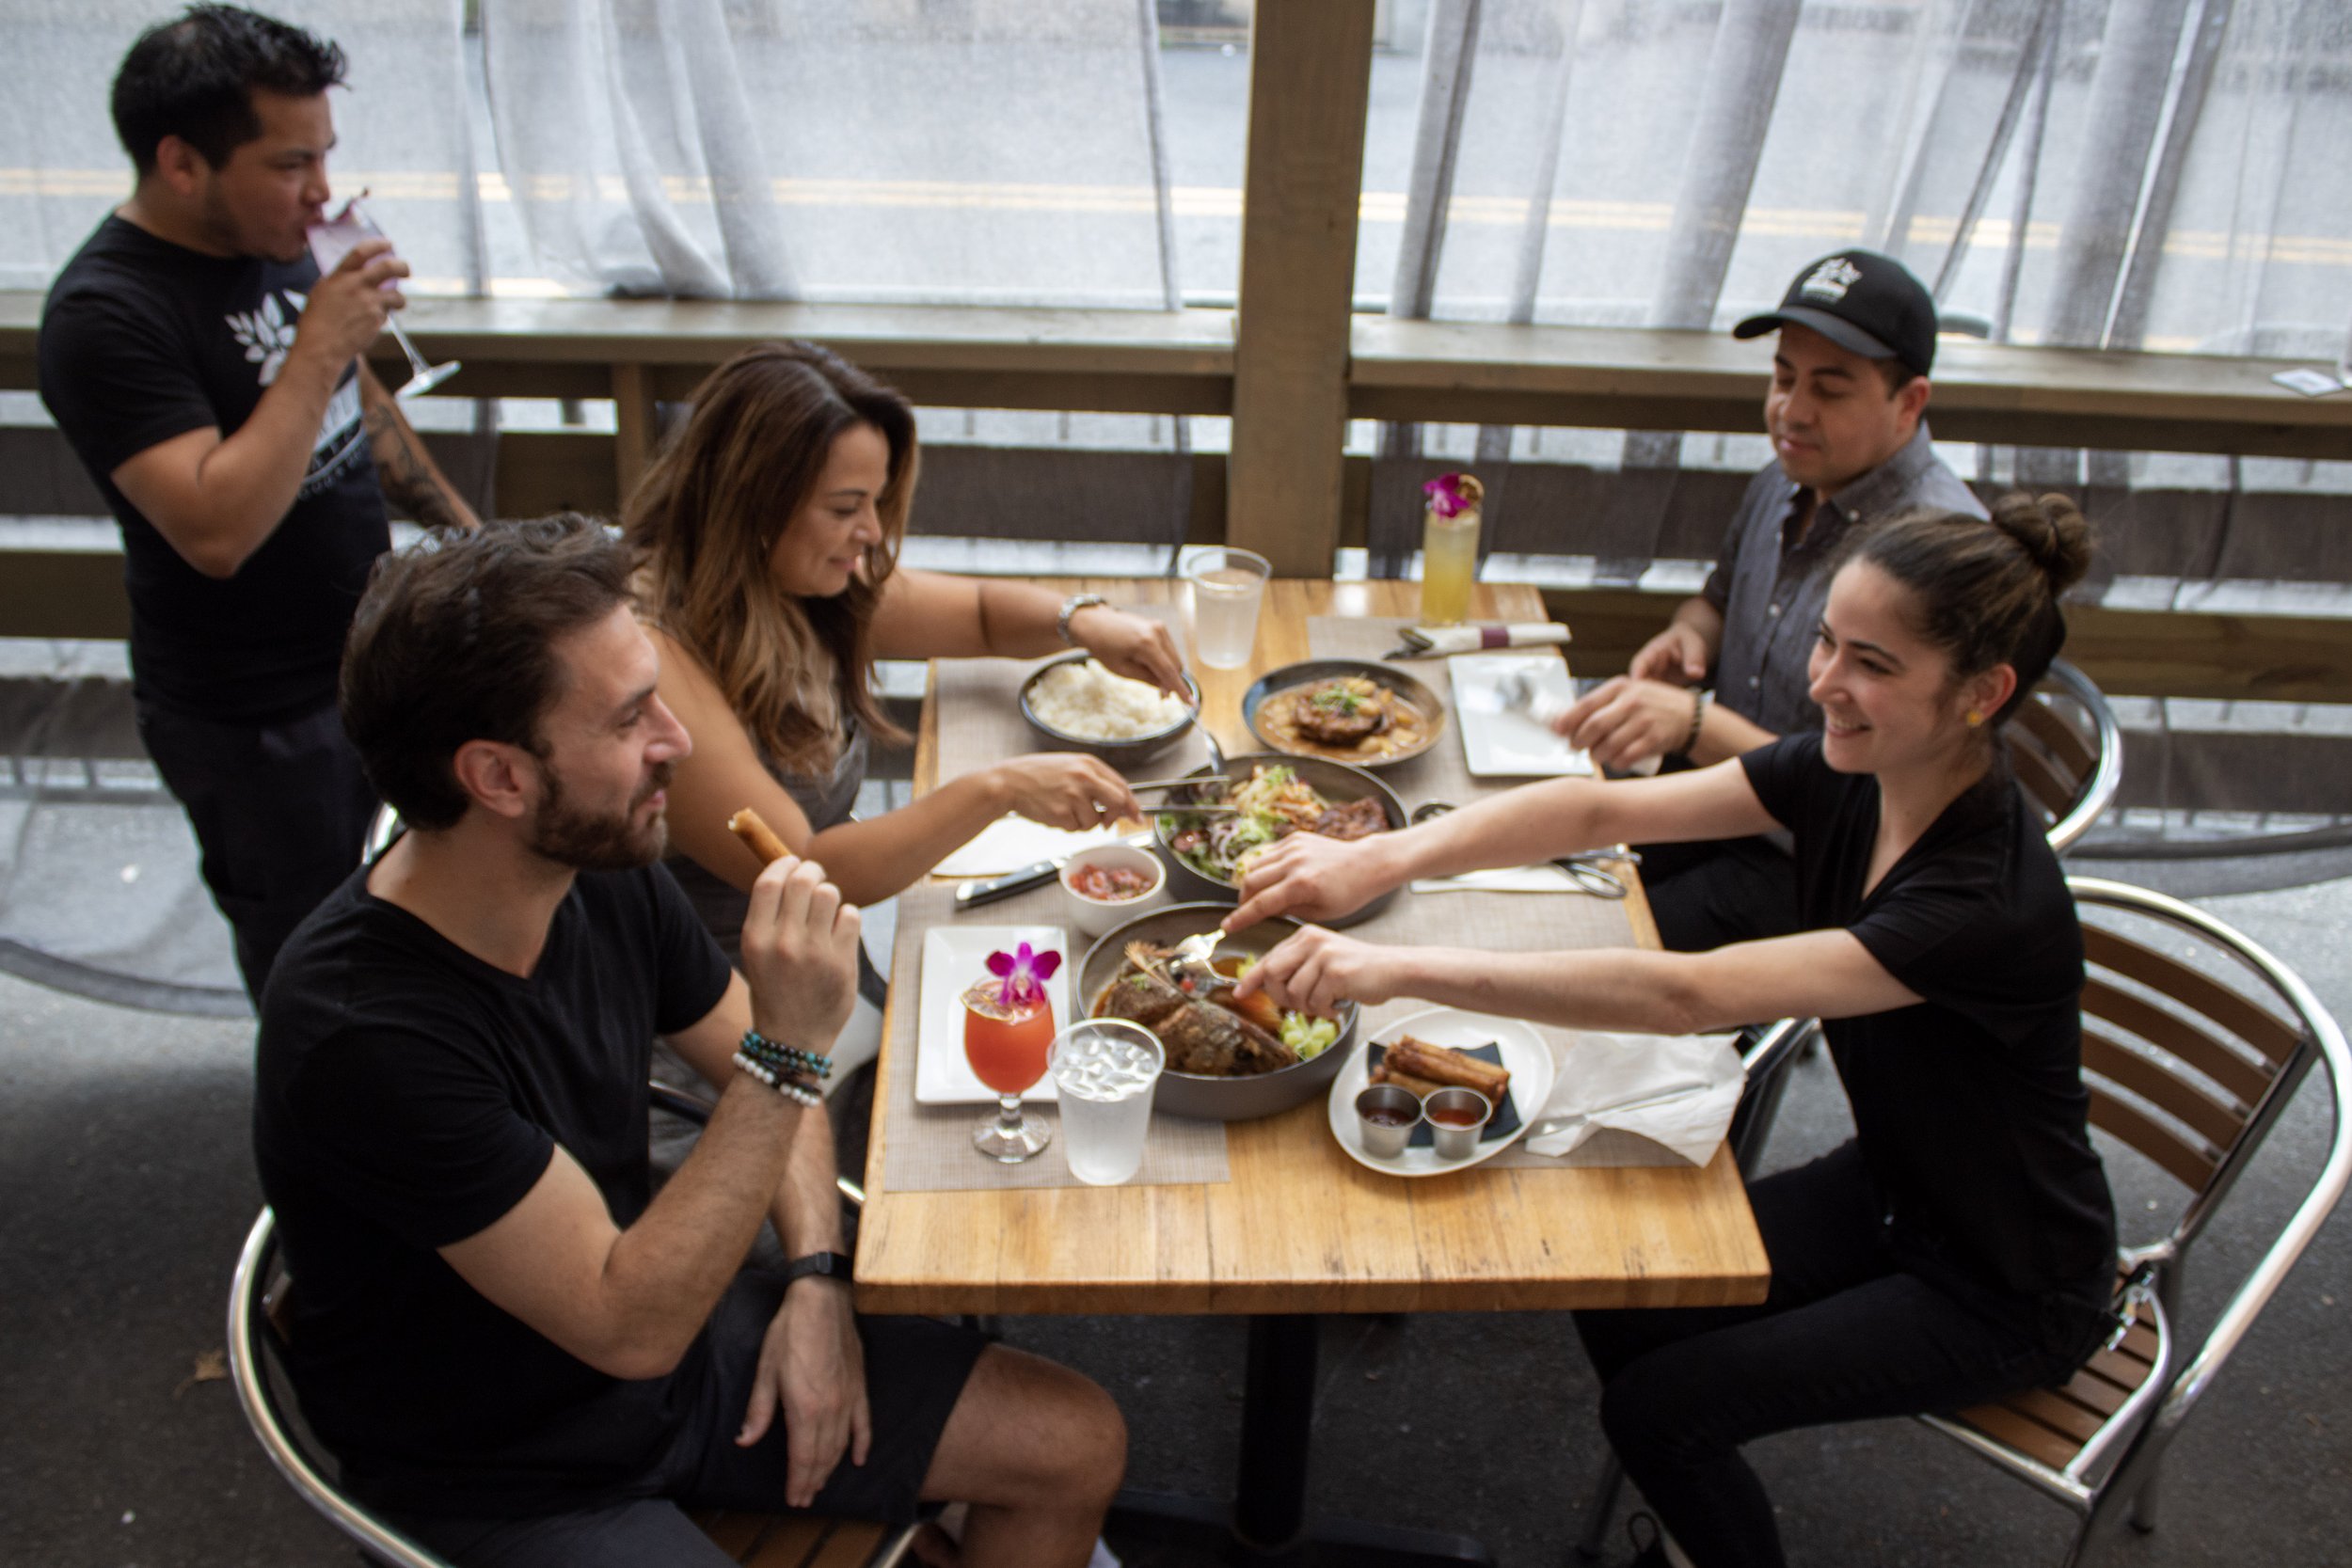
x=267, y=333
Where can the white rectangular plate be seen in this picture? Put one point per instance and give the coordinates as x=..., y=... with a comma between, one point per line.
x=953, y=958
x=1498, y=742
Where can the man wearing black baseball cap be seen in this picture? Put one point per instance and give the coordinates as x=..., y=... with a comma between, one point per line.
x=1849, y=387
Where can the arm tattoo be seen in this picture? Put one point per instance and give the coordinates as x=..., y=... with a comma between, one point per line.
x=406, y=474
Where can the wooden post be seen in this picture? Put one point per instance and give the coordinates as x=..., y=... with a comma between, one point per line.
x=632, y=426
x=1310, y=83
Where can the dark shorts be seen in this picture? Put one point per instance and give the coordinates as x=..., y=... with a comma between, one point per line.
x=281, y=813
x=915, y=1369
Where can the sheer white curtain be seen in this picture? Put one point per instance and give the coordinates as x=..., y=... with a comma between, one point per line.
x=404, y=126
x=2160, y=173
x=958, y=151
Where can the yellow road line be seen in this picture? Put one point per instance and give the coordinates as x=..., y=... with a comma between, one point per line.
x=1833, y=226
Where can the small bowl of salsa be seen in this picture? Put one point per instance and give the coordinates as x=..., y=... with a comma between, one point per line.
x=1110, y=884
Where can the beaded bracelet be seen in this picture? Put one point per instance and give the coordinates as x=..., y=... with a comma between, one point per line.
x=785, y=1057
x=799, y=1093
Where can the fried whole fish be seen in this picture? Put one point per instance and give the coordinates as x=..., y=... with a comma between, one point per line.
x=1201, y=1037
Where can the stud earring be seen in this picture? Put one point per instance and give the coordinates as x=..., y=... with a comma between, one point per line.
x=1975, y=718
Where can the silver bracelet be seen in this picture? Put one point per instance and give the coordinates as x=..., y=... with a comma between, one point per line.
x=1070, y=606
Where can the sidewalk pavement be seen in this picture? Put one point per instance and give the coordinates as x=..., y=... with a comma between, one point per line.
x=124, y=1154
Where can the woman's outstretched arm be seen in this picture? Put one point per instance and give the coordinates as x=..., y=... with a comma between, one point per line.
x=867, y=861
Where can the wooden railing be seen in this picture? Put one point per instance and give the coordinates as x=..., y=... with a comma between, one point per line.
x=1292, y=366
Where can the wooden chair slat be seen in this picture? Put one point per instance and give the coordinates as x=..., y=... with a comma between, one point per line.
x=792, y=1542
x=2191, y=1167
x=2094, y=1392
x=851, y=1544
x=2217, y=1123
x=2260, y=1028
x=2124, y=1371
x=2237, y=1072
x=2057, y=1412
x=2043, y=785
x=2028, y=1437
x=732, y=1531
x=2047, y=722
x=2140, y=1342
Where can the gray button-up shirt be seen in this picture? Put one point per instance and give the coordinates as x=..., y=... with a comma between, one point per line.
x=1771, y=588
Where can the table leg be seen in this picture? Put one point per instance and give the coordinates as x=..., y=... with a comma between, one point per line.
x=1268, y=1525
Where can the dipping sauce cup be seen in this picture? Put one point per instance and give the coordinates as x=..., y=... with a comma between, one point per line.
x=1456, y=1116
x=1386, y=1117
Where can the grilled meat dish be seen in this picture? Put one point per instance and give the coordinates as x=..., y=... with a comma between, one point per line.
x=1201, y=1037
x=1345, y=712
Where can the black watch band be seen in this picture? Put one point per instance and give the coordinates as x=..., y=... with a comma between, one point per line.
x=825, y=1265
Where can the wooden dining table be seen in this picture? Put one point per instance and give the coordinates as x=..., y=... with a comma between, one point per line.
x=1481, y=1240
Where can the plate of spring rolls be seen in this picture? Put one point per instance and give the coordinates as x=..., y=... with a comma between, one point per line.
x=1513, y=1063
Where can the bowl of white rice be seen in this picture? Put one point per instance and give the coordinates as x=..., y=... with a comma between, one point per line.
x=1075, y=705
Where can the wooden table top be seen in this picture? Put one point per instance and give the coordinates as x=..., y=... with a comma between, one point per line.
x=1300, y=1226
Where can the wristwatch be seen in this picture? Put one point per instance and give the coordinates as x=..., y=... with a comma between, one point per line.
x=1070, y=606
x=826, y=1265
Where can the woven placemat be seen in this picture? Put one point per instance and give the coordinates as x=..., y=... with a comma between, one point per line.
x=928, y=1149
x=978, y=703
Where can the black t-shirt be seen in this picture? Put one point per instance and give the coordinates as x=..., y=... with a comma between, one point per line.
x=407, y=1095
x=141, y=340
x=1969, y=1107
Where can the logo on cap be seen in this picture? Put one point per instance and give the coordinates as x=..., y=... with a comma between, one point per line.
x=1831, y=280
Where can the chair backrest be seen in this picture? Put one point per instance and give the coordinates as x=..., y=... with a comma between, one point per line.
x=2191, y=1050
x=252, y=1346
x=2067, y=752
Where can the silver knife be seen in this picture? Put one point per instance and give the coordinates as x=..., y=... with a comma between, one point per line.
x=972, y=894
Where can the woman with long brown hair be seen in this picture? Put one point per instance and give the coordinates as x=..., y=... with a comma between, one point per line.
x=769, y=530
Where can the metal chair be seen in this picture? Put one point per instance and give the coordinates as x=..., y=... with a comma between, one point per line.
x=257, y=1295
x=2068, y=752
x=2189, y=1064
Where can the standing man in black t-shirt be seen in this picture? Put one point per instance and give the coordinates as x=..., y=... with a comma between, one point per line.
x=518, y=1350
x=210, y=380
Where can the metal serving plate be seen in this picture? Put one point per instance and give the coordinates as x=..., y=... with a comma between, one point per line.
x=1186, y=1094
x=1336, y=782
x=1310, y=671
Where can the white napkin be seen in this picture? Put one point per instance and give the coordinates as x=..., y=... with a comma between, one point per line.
x=1466, y=639
x=1676, y=1091
x=1010, y=842
x=1540, y=878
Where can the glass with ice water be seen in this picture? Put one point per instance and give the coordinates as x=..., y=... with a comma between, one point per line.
x=1104, y=1070
x=1227, y=588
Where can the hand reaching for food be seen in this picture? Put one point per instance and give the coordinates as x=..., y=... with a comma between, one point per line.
x=1132, y=645
x=1309, y=877
x=1314, y=970
x=1064, y=789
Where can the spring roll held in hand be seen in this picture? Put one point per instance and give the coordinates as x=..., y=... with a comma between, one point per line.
x=757, y=836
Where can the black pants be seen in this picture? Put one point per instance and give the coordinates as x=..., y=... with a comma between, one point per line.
x=1706, y=895
x=281, y=813
x=1844, y=1336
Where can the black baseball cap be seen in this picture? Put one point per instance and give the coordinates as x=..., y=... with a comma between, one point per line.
x=1863, y=302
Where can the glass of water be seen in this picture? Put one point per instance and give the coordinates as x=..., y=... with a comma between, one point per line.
x=1104, y=1070
x=1228, y=585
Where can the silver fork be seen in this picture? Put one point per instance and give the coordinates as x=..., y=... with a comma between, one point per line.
x=1520, y=694
x=1191, y=958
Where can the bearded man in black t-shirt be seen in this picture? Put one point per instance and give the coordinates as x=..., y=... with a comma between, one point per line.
x=517, y=1351
x=210, y=380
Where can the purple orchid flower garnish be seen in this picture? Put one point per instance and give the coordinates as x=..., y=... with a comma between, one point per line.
x=1451, y=494
x=1024, y=973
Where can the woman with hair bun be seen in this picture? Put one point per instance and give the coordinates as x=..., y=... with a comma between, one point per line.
x=767, y=532
x=1961, y=1246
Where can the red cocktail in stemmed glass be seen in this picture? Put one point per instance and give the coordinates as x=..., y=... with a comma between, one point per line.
x=1008, y=1026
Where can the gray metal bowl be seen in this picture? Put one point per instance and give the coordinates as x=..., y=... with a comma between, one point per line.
x=1336, y=782
x=1312, y=670
x=1190, y=1094
x=1121, y=754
